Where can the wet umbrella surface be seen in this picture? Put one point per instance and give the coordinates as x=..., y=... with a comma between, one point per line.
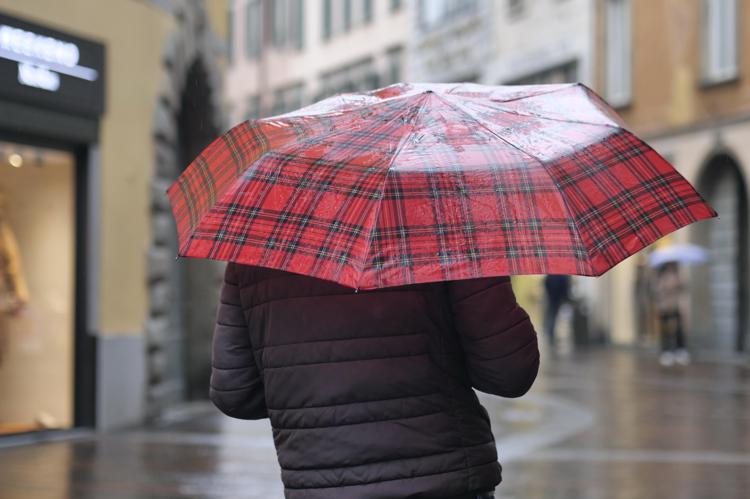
x=418, y=183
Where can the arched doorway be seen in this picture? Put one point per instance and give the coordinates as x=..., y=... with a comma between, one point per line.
x=719, y=306
x=197, y=296
x=184, y=292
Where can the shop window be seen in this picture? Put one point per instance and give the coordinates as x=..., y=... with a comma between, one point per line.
x=37, y=288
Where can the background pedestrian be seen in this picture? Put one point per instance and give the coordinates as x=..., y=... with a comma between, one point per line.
x=557, y=291
x=669, y=296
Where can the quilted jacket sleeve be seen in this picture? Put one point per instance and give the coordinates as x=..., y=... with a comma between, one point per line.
x=236, y=387
x=499, y=341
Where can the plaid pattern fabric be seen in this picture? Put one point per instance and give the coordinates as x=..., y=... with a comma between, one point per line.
x=420, y=183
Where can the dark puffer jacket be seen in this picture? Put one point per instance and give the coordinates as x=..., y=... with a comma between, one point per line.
x=370, y=393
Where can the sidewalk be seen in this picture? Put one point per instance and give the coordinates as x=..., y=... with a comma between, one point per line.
x=601, y=424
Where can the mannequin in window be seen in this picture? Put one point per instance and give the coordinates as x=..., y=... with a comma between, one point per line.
x=14, y=293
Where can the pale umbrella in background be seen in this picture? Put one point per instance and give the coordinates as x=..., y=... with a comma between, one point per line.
x=687, y=254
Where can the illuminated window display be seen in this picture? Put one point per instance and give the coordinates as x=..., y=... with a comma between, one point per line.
x=37, y=296
x=52, y=89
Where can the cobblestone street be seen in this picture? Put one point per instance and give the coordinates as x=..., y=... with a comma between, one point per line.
x=600, y=424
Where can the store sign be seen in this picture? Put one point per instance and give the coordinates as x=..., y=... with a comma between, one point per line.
x=46, y=67
x=41, y=59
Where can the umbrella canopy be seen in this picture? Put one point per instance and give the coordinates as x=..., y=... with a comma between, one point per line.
x=688, y=254
x=427, y=182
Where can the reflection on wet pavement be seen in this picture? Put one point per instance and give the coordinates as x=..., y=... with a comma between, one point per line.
x=600, y=424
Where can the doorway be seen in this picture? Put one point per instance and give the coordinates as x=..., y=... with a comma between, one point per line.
x=720, y=315
x=195, y=280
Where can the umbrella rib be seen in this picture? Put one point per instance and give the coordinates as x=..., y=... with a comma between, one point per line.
x=558, y=120
x=399, y=148
x=535, y=115
x=564, y=87
x=311, y=138
x=234, y=185
x=459, y=108
x=293, y=114
x=540, y=93
x=542, y=117
x=290, y=115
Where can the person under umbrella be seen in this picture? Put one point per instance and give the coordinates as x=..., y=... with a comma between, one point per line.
x=669, y=295
x=370, y=239
x=670, y=287
x=377, y=399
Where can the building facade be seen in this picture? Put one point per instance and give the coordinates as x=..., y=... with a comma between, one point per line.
x=451, y=41
x=561, y=49
x=676, y=73
x=289, y=53
x=102, y=105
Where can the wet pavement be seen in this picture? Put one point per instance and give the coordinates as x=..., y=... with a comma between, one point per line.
x=599, y=424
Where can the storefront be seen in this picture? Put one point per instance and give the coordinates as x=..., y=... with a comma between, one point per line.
x=51, y=101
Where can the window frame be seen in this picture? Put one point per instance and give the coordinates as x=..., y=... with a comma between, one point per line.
x=327, y=28
x=347, y=15
x=618, y=94
x=368, y=12
x=716, y=37
x=231, y=54
x=253, y=48
x=279, y=23
x=296, y=24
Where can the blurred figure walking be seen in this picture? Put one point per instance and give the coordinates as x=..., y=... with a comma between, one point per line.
x=669, y=292
x=557, y=290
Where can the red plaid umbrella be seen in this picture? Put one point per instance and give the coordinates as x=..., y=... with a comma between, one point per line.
x=419, y=183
